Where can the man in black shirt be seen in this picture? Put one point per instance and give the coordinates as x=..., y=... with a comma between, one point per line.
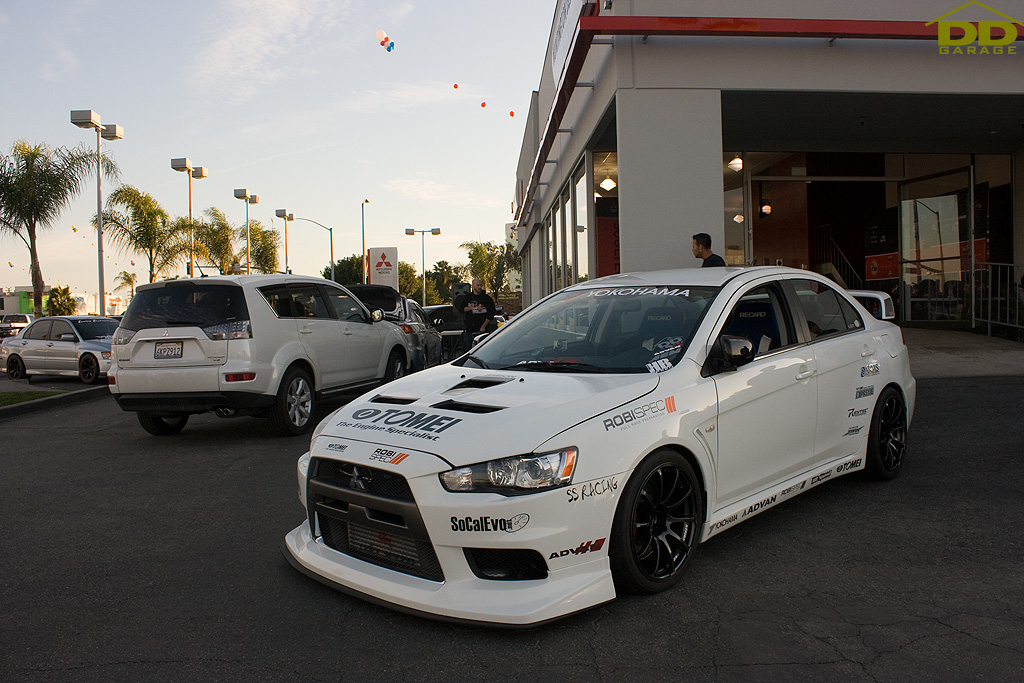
x=702, y=250
x=478, y=309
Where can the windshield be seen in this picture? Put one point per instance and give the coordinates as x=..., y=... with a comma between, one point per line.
x=96, y=329
x=613, y=330
x=185, y=304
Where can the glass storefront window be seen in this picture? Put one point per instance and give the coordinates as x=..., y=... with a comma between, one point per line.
x=582, y=231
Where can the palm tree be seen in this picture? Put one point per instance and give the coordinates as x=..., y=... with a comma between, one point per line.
x=144, y=227
x=36, y=184
x=126, y=280
x=262, y=245
x=60, y=301
x=214, y=240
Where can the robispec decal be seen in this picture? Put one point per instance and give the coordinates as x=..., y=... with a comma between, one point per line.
x=388, y=456
x=757, y=507
x=485, y=523
x=853, y=431
x=869, y=370
x=794, y=487
x=854, y=412
x=592, y=489
x=865, y=391
x=641, y=413
x=398, y=421
x=847, y=466
x=722, y=523
x=337, y=447
x=583, y=548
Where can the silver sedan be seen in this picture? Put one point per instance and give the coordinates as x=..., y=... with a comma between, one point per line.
x=61, y=345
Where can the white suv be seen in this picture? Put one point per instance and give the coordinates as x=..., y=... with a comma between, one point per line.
x=264, y=345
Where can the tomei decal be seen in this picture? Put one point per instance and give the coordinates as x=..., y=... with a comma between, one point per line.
x=388, y=456
x=757, y=507
x=865, y=391
x=337, y=447
x=641, y=291
x=592, y=489
x=869, y=370
x=640, y=413
x=820, y=477
x=853, y=431
x=722, y=523
x=585, y=547
x=509, y=525
x=397, y=421
x=854, y=412
x=847, y=466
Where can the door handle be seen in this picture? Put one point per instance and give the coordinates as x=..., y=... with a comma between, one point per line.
x=804, y=375
x=867, y=352
x=49, y=344
x=347, y=333
x=305, y=330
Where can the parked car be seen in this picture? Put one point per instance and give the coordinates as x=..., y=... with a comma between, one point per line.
x=640, y=415
x=263, y=345
x=74, y=345
x=12, y=323
x=424, y=342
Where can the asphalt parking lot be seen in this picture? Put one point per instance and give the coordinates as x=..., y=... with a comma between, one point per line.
x=131, y=557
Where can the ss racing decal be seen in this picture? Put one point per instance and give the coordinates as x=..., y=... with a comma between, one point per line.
x=592, y=489
x=641, y=413
x=865, y=391
x=485, y=523
x=388, y=456
x=581, y=549
x=398, y=421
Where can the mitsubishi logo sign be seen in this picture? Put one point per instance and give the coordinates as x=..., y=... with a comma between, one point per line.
x=383, y=262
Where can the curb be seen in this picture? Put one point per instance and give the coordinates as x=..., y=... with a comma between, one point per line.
x=66, y=399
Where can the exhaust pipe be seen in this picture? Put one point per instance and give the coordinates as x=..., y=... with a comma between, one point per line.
x=224, y=412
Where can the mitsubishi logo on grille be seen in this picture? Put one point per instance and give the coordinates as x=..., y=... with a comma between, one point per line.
x=360, y=479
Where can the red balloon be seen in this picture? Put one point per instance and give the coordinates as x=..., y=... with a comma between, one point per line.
x=511, y=113
x=456, y=86
x=483, y=104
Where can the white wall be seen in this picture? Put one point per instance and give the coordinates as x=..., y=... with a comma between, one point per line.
x=670, y=175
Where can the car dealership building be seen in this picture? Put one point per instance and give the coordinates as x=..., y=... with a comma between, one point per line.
x=875, y=142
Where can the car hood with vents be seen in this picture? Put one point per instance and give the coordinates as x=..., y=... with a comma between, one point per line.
x=467, y=415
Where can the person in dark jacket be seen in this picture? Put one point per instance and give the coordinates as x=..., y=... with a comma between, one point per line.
x=702, y=250
x=478, y=311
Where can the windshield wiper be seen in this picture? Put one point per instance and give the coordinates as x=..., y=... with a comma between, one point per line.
x=556, y=366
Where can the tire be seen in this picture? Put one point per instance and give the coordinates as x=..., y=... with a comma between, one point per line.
x=162, y=425
x=292, y=413
x=657, y=524
x=88, y=369
x=396, y=366
x=887, y=439
x=15, y=368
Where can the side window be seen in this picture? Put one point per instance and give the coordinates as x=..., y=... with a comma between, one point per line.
x=40, y=330
x=345, y=307
x=826, y=311
x=761, y=317
x=307, y=302
x=60, y=327
x=279, y=299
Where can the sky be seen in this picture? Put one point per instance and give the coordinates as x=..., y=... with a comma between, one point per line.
x=294, y=100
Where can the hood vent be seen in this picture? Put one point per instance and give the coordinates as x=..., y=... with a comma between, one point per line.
x=474, y=384
x=394, y=400
x=466, y=407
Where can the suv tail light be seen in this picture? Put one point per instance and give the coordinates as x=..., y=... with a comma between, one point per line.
x=239, y=329
x=122, y=336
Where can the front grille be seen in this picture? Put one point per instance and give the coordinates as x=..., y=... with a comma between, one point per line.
x=369, y=514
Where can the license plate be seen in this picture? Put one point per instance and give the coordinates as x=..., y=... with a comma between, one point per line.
x=167, y=350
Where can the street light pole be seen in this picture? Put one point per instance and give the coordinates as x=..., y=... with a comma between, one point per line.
x=244, y=195
x=87, y=118
x=423, y=253
x=362, y=259
x=184, y=164
x=283, y=213
x=331, y=233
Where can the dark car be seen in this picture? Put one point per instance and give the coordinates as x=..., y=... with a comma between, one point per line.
x=424, y=342
x=450, y=324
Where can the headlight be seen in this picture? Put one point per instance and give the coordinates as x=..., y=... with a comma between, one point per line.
x=514, y=476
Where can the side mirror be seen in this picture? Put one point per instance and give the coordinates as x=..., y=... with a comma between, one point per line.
x=68, y=337
x=728, y=353
x=377, y=315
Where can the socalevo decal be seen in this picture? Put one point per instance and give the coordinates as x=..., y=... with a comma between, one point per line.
x=585, y=547
x=865, y=391
x=398, y=421
x=485, y=523
x=592, y=489
x=641, y=413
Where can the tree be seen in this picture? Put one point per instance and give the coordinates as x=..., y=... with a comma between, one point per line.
x=443, y=278
x=36, y=184
x=262, y=246
x=409, y=282
x=347, y=271
x=145, y=228
x=126, y=280
x=60, y=301
x=214, y=241
x=483, y=261
x=508, y=261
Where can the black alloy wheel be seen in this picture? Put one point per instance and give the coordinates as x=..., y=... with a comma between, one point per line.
x=657, y=524
x=15, y=368
x=887, y=440
x=162, y=425
x=88, y=369
x=396, y=366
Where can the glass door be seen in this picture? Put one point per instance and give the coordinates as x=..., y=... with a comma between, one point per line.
x=936, y=255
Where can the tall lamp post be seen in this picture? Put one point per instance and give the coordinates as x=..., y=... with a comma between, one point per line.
x=185, y=165
x=423, y=253
x=87, y=118
x=244, y=195
x=283, y=213
x=330, y=232
x=362, y=259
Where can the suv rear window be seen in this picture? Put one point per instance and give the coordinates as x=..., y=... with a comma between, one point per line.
x=185, y=305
